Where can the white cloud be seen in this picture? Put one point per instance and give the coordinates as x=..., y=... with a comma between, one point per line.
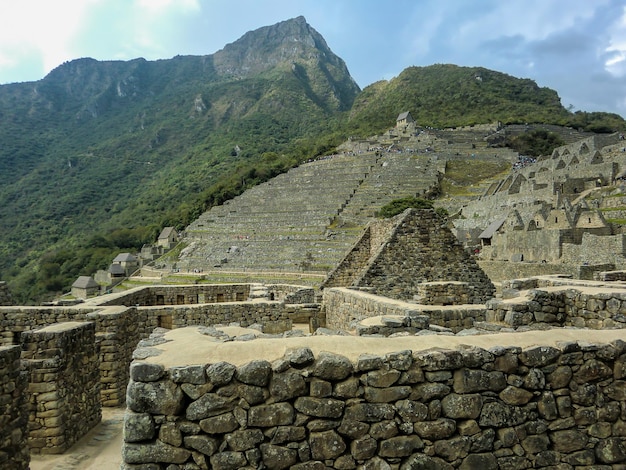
x=615, y=62
x=40, y=27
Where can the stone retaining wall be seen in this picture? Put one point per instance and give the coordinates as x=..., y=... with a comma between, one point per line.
x=178, y=295
x=345, y=308
x=470, y=408
x=14, y=454
x=567, y=307
x=63, y=386
x=243, y=313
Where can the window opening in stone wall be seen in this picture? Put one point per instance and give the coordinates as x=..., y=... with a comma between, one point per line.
x=16, y=337
x=239, y=296
x=160, y=300
x=272, y=296
x=220, y=298
x=556, y=219
x=180, y=299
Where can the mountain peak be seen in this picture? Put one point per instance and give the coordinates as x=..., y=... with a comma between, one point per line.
x=264, y=48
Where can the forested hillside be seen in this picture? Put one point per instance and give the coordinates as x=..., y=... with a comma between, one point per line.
x=98, y=156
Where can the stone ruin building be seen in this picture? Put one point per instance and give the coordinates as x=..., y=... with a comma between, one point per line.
x=406, y=358
x=422, y=381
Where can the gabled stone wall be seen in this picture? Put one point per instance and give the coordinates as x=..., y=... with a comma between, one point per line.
x=63, y=385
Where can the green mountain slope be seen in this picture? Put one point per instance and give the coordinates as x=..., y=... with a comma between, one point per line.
x=448, y=96
x=97, y=157
x=99, y=147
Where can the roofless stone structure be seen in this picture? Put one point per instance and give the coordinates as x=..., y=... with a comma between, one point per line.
x=394, y=257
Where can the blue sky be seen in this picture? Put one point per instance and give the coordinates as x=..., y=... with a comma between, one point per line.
x=576, y=47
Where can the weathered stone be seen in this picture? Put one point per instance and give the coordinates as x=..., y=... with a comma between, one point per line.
x=400, y=360
x=160, y=398
x=439, y=360
x=228, y=461
x=320, y=407
x=382, y=378
x=300, y=357
x=188, y=374
x=138, y=427
x=400, y=446
x=592, y=370
x=369, y=412
x=244, y=439
x=278, y=414
x=366, y=362
x=277, y=457
x=287, y=385
x=365, y=448
x=585, y=395
x=326, y=445
x=468, y=427
x=539, y=356
x=220, y=373
x=353, y=429
x=320, y=388
x=441, y=428
x=535, y=443
x=205, y=444
x=387, y=395
x=154, y=452
x=255, y=373
x=421, y=461
x=568, y=440
x=348, y=388
x=497, y=415
x=461, y=406
x=582, y=457
x=611, y=451
x=219, y=424
x=209, y=404
x=560, y=377
x=473, y=380
x=453, y=449
x=252, y=394
x=383, y=429
x=616, y=390
x=286, y=434
x=319, y=425
x=146, y=371
x=412, y=411
x=483, y=441
x=546, y=405
x=429, y=391
x=515, y=396
x=479, y=461
x=344, y=462
x=170, y=434
x=329, y=366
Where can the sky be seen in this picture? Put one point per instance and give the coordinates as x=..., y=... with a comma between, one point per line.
x=576, y=47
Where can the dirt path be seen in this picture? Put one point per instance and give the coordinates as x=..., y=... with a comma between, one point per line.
x=100, y=449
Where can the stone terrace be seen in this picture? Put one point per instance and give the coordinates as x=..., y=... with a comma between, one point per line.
x=290, y=222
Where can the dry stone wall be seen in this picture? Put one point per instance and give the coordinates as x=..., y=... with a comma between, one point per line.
x=469, y=408
x=63, y=385
x=580, y=308
x=14, y=454
x=345, y=309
